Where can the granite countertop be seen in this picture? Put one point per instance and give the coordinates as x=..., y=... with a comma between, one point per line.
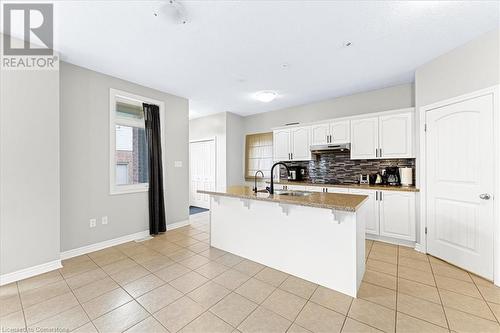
x=357, y=186
x=337, y=201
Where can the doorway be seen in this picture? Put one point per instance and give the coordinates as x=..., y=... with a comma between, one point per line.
x=459, y=166
x=201, y=171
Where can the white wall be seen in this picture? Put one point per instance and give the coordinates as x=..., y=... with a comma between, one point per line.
x=85, y=160
x=236, y=147
x=29, y=168
x=470, y=67
x=396, y=97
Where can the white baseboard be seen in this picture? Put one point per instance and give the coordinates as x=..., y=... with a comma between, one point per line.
x=391, y=240
x=177, y=225
x=419, y=247
x=29, y=272
x=102, y=245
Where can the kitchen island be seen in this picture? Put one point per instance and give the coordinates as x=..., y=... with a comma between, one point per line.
x=319, y=237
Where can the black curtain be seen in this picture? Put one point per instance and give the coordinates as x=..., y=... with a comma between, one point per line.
x=156, y=203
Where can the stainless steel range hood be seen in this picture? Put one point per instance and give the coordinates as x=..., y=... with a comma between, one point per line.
x=318, y=149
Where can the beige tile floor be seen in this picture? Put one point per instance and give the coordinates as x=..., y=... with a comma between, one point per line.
x=177, y=283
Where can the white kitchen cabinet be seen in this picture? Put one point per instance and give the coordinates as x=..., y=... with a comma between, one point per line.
x=397, y=214
x=299, y=139
x=291, y=144
x=281, y=145
x=372, y=213
x=364, y=138
x=340, y=132
x=288, y=187
x=395, y=135
x=336, y=132
x=382, y=137
x=320, y=134
x=327, y=189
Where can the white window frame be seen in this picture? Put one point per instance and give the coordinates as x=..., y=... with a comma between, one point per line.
x=113, y=94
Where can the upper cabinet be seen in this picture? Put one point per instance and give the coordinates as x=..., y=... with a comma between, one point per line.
x=292, y=144
x=396, y=135
x=320, y=134
x=385, y=136
x=340, y=132
x=336, y=132
x=364, y=138
x=281, y=145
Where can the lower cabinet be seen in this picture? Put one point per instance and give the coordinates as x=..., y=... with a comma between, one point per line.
x=391, y=213
x=397, y=214
x=372, y=205
x=327, y=189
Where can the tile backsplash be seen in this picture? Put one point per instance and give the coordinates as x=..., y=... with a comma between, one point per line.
x=338, y=167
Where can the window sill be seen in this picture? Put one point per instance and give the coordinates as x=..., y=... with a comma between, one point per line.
x=115, y=191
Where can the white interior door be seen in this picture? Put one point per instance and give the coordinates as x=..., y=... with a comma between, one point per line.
x=460, y=173
x=202, y=172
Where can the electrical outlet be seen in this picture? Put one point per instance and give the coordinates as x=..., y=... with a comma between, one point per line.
x=104, y=220
x=93, y=223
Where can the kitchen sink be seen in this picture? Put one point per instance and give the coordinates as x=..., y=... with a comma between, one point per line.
x=292, y=193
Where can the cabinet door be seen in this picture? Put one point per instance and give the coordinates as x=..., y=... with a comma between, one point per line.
x=281, y=145
x=319, y=134
x=299, y=141
x=337, y=189
x=372, y=210
x=296, y=187
x=364, y=138
x=396, y=135
x=340, y=132
x=397, y=215
x=314, y=189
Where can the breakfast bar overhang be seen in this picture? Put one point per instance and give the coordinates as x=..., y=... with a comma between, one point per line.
x=319, y=237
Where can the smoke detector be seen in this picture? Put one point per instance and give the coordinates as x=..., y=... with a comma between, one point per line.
x=174, y=11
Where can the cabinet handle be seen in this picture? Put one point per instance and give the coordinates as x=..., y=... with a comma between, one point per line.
x=380, y=195
x=291, y=156
x=376, y=195
x=376, y=152
x=326, y=189
x=380, y=153
x=331, y=138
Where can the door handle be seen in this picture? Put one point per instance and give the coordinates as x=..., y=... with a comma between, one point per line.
x=485, y=196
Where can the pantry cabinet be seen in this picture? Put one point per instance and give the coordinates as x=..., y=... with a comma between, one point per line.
x=291, y=144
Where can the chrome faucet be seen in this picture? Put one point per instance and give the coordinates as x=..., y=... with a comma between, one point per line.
x=271, y=188
x=255, y=178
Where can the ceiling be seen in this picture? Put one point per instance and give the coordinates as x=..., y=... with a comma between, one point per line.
x=231, y=49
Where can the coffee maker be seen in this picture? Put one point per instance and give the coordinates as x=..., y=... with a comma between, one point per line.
x=391, y=176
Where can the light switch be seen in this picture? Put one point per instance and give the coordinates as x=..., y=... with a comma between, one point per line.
x=178, y=164
x=104, y=220
x=92, y=223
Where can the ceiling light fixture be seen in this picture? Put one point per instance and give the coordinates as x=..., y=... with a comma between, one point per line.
x=265, y=96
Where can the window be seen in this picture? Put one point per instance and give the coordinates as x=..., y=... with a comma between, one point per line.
x=128, y=144
x=258, y=154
